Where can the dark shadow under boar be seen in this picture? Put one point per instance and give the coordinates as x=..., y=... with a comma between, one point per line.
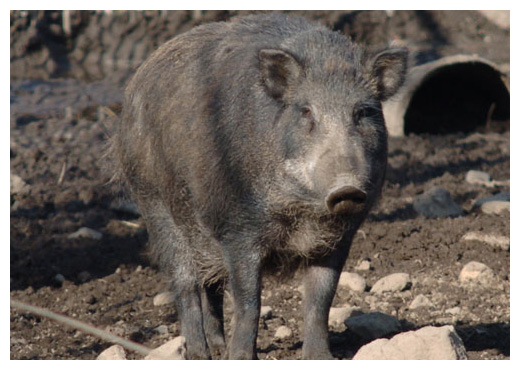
x=252, y=145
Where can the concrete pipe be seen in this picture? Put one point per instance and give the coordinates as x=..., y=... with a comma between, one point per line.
x=451, y=94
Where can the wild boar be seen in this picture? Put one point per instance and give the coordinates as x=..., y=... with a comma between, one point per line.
x=249, y=146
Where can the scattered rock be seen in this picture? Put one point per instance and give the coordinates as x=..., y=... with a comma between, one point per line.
x=60, y=278
x=363, y=265
x=161, y=329
x=436, y=202
x=392, y=283
x=18, y=185
x=373, y=325
x=84, y=276
x=338, y=315
x=266, y=312
x=174, y=349
x=477, y=177
x=115, y=352
x=500, y=241
x=87, y=233
x=495, y=207
x=283, y=332
x=420, y=301
x=454, y=311
x=163, y=298
x=352, y=281
x=428, y=343
x=476, y=272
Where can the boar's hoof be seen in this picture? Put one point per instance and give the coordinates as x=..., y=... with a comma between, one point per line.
x=347, y=199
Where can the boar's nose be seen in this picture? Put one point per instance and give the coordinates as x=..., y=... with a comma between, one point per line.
x=347, y=199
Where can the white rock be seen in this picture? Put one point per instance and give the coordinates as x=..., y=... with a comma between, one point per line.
x=477, y=177
x=495, y=207
x=436, y=202
x=161, y=329
x=115, y=352
x=428, y=343
x=18, y=185
x=500, y=17
x=163, y=298
x=454, y=311
x=500, y=241
x=283, y=332
x=392, y=283
x=420, y=301
x=363, y=265
x=338, y=315
x=476, y=272
x=266, y=312
x=174, y=349
x=87, y=233
x=352, y=281
x=373, y=325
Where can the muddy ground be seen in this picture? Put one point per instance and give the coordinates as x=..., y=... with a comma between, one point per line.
x=65, y=87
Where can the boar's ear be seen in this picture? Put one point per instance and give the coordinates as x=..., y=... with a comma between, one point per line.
x=280, y=72
x=387, y=71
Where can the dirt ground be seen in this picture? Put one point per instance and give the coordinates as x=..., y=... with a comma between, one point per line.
x=65, y=86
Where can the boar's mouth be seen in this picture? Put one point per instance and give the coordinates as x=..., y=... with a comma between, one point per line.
x=345, y=200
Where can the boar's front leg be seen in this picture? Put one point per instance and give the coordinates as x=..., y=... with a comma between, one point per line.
x=320, y=282
x=244, y=280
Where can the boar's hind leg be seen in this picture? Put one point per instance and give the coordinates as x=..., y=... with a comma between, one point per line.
x=320, y=282
x=213, y=315
x=171, y=248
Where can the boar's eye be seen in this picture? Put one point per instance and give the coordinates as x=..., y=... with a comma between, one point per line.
x=367, y=112
x=306, y=112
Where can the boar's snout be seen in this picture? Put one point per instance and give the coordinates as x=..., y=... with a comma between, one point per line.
x=347, y=199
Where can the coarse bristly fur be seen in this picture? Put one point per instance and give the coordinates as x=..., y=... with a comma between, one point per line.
x=254, y=145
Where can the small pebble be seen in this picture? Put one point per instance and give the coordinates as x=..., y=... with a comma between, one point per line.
x=163, y=298
x=392, y=283
x=266, y=312
x=87, y=233
x=115, y=352
x=420, y=301
x=476, y=272
x=352, y=281
x=364, y=265
x=283, y=332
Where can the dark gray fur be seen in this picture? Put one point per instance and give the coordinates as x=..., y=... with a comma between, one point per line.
x=252, y=145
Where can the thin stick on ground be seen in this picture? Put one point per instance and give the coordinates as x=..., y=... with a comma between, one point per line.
x=81, y=326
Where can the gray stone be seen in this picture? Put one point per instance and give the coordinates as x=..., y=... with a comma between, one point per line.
x=428, y=343
x=436, y=202
x=115, y=352
x=174, y=349
x=373, y=325
x=392, y=283
x=352, y=281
